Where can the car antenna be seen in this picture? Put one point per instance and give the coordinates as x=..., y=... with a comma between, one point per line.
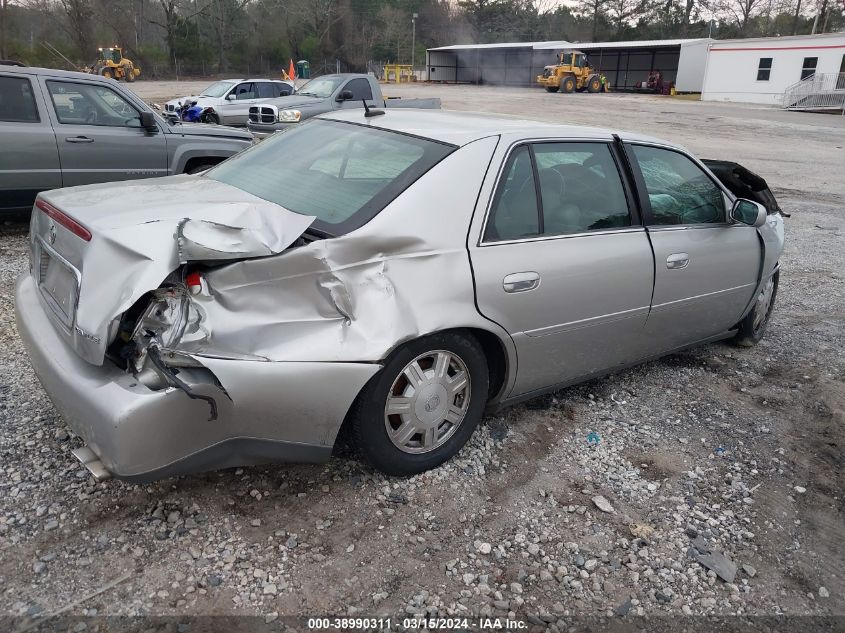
x=370, y=112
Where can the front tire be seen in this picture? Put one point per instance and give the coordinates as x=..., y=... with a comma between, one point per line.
x=423, y=406
x=753, y=326
x=210, y=118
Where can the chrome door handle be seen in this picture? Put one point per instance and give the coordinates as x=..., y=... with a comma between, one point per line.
x=79, y=139
x=521, y=282
x=676, y=261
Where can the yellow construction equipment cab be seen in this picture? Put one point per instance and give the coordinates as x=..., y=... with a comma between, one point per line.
x=573, y=72
x=112, y=64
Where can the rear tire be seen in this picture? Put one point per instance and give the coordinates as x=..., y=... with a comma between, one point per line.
x=753, y=326
x=594, y=84
x=567, y=85
x=436, y=388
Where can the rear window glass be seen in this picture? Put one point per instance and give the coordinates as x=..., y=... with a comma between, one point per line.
x=16, y=101
x=341, y=173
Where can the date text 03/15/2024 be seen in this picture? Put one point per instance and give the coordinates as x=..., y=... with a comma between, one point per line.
x=431, y=624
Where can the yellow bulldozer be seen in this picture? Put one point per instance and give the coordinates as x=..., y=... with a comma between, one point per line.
x=573, y=72
x=112, y=64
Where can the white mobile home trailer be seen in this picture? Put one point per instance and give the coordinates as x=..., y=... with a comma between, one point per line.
x=760, y=70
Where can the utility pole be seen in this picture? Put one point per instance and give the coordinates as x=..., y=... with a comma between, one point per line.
x=414, y=17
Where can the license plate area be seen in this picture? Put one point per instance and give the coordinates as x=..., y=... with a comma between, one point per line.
x=58, y=282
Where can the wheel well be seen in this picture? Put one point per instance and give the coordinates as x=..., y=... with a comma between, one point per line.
x=202, y=160
x=497, y=361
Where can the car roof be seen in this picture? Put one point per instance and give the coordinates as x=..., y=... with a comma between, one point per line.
x=52, y=72
x=460, y=128
x=254, y=79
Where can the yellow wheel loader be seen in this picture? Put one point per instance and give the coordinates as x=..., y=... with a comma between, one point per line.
x=112, y=64
x=573, y=72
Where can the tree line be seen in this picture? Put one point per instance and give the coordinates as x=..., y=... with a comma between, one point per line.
x=203, y=37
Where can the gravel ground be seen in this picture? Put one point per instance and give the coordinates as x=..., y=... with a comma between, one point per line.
x=709, y=482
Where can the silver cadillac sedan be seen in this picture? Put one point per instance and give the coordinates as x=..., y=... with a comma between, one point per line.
x=394, y=273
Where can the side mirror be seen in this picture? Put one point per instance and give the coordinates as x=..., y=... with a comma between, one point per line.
x=231, y=96
x=148, y=122
x=748, y=212
x=345, y=95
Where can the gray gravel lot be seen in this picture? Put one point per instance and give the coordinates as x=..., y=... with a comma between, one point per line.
x=718, y=456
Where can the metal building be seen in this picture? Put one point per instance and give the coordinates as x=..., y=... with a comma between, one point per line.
x=626, y=64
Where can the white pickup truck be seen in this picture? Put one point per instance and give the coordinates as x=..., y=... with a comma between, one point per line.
x=324, y=94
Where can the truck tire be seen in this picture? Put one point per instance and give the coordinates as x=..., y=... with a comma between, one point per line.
x=594, y=83
x=567, y=84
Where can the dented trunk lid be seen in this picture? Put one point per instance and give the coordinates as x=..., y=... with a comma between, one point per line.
x=141, y=231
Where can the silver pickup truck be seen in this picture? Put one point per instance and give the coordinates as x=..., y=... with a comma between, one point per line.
x=324, y=94
x=61, y=129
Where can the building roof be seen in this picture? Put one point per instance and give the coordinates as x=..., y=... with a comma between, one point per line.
x=781, y=39
x=559, y=44
x=460, y=128
x=585, y=46
x=549, y=44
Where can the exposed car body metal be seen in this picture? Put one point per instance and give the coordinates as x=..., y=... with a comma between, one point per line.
x=284, y=332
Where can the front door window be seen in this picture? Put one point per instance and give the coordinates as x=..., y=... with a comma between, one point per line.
x=679, y=192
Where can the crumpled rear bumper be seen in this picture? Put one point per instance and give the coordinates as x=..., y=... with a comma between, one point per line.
x=275, y=411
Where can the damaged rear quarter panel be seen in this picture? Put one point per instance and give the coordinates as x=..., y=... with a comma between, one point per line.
x=354, y=298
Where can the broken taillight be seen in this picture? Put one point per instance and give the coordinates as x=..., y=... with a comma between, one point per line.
x=194, y=282
x=64, y=219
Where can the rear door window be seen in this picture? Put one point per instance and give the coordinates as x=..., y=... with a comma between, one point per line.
x=17, y=102
x=581, y=188
x=515, y=213
x=551, y=189
x=267, y=89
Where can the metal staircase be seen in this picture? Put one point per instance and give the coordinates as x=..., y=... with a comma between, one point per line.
x=818, y=92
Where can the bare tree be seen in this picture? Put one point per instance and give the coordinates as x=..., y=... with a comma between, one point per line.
x=597, y=10
x=172, y=11
x=80, y=17
x=741, y=10
x=4, y=9
x=620, y=11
